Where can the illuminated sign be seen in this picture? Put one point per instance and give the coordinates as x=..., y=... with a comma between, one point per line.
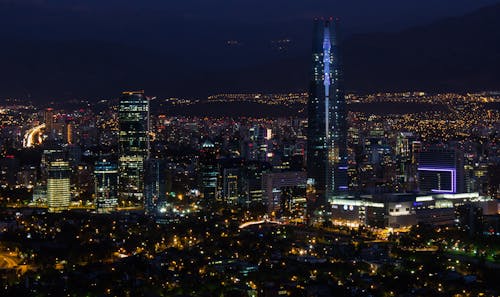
x=453, y=173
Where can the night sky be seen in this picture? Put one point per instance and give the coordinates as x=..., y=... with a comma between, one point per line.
x=358, y=16
x=72, y=48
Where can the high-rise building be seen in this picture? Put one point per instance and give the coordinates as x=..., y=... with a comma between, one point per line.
x=58, y=185
x=406, y=151
x=327, y=117
x=441, y=170
x=133, y=147
x=231, y=185
x=68, y=133
x=49, y=154
x=209, y=171
x=252, y=173
x=9, y=167
x=106, y=185
x=155, y=183
x=280, y=192
x=48, y=118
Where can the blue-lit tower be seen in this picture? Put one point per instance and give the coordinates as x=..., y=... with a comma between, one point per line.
x=327, y=117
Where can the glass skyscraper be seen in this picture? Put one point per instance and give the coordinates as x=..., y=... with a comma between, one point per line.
x=133, y=148
x=327, y=117
x=155, y=183
x=106, y=180
x=209, y=171
x=58, y=185
x=441, y=170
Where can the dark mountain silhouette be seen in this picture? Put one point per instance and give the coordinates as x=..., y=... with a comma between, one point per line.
x=456, y=54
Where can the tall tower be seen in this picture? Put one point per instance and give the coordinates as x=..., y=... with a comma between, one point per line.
x=209, y=171
x=441, y=170
x=133, y=147
x=48, y=118
x=155, y=183
x=327, y=117
x=58, y=185
x=106, y=180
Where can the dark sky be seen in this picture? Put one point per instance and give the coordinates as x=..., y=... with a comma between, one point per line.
x=358, y=15
x=175, y=27
x=71, y=48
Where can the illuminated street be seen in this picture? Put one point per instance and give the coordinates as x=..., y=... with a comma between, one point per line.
x=33, y=136
x=250, y=148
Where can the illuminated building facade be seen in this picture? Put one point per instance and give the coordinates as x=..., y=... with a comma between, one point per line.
x=106, y=185
x=407, y=150
x=133, y=147
x=58, y=185
x=327, y=117
x=285, y=193
x=231, y=185
x=441, y=170
x=48, y=117
x=209, y=171
x=405, y=209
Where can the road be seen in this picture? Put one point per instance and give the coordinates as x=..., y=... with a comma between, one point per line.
x=29, y=136
x=7, y=261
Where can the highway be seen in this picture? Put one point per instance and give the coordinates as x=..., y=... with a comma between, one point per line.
x=29, y=136
x=244, y=225
x=10, y=262
x=7, y=262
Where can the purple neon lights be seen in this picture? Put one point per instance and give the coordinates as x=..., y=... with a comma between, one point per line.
x=453, y=172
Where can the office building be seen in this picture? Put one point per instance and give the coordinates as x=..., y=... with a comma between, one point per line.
x=327, y=117
x=407, y=148
x=406, y=209
x=441, y=170
x=106, y=186
x=231, y=185
x=209, y=171
x=285, y=193
x=48, y=117
x=58, y=185
x=155, y=183
x=133, y=148
x=252, y=173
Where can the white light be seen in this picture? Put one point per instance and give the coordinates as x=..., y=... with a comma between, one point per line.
x=424, y=198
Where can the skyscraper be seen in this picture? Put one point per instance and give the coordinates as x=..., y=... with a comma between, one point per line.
x=58, y=185
x=155, y=183
x=441, y=170
x=327, y=117
x=209, y=171
x=48, y=117
x=106, y=181
x=133, y=147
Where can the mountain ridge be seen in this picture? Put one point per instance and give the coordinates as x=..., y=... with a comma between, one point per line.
x=455, y=54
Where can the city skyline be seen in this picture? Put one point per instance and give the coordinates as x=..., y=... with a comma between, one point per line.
x=250, y=192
